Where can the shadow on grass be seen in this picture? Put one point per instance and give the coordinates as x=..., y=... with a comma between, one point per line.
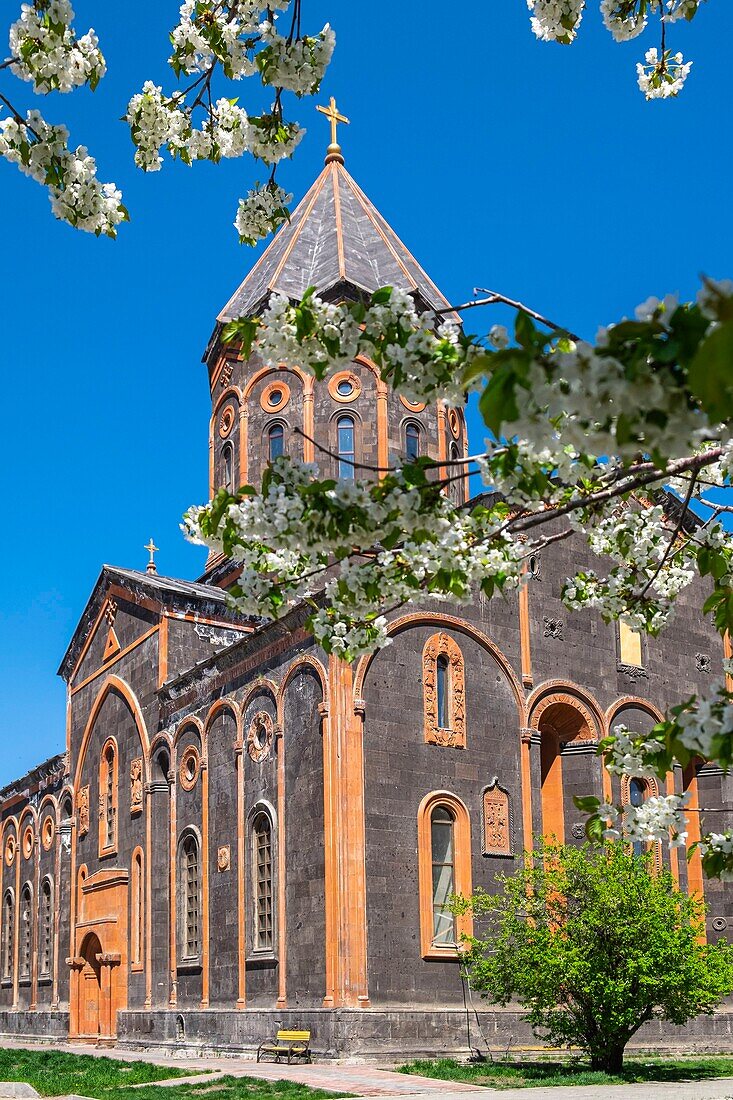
x=518, y=1074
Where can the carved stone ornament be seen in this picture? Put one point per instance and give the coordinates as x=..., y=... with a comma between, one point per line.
x=136, y=785
x=226, y=374
x=110, y=611
x=188, y=772
x=577, y=830
x=28, y=840
x=703, y=662
x=633, y=672
x=454, y=735
x=224, y=858
x=553, y=628
x=260, y=736
x=48, y=832
x=454, y=423
x=497, y=820
x=83, y=811
x=10, y=849
x=226, y=421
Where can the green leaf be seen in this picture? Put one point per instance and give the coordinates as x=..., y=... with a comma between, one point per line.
x=710, y=376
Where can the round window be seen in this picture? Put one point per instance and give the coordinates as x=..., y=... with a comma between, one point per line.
x=345, y=387
x=189, y=770
x=275, y=398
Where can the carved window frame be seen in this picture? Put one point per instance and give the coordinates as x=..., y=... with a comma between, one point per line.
x=462, y=877
x=507, y=850
x=259, y=947
x=189, y=900
x=651, y=790
x=108, y=798
x=454, y=736
x=26, y=921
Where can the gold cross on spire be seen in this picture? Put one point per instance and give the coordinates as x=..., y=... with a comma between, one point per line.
x=152, y=549
x=334, y=117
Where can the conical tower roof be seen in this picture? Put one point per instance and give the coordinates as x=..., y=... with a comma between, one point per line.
x=337, y=241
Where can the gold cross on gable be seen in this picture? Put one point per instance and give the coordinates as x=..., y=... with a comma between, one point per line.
x=334, y=117
x=152, y=549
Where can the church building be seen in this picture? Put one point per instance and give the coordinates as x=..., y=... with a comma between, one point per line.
x=241, y=833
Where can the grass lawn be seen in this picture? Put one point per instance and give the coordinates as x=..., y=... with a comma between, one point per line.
x=54, y=1073
x=516, y=1074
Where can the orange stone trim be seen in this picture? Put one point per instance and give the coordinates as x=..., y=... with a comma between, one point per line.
x=344, y=376
x=695, y=878
x=191, y=722
x=461, y=867
x=413, y=406
x=265, y=402
x=564, y=691
x=454, y=735
x=226, y=421
x=525, y=644
x=217, y=708
x=114, y=683
x=446, y=622
x=631, y=701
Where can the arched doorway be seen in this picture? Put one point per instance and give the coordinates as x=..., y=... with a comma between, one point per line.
x=565, y=728
x=90, y=980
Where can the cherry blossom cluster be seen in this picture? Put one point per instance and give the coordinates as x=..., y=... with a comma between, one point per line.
x=156, y=121
x=662, y=75
x=45, y=50
x=659, y=818
x=556, y=20
x=298, y=66
x=628, y=753
x=261, y=213
x=77, y=196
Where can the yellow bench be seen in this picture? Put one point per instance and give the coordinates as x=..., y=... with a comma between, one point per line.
x=296, y=1044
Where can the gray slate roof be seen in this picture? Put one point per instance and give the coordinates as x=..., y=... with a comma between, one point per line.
x=335, y=236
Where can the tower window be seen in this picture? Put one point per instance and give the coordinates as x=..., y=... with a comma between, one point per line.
x=262, y=865
x=276, y=441
x=346, y=450
x=637, y=794
x=442, y=674
x=345, y=387
x=412, y=440
x=227, y=455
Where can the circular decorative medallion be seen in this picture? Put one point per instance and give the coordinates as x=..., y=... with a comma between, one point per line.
x=28, y=838
x=226, y=421
x=259, y=736
x=48, y=831
x=413, y=406
x=719, y=924
x=454, y=422
x=275, y=396
x=10, y=849
x=188, y=772
x=344, y=386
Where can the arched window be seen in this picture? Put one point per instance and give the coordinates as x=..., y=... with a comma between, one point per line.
x=637, y=794
x=444, y=855
x=136, y=919
x=8, y=933
x=276, y=441
x=45, y=954
x=227, y=455
x=26, y=932
x=262, y=868
x=412, y=440
x=345, y=430
x=444, y=692
x=108, y=800
x=190, y=894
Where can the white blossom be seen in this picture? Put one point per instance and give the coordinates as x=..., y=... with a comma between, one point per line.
x=46, y=51
x=261, y=213
x=662, y=77
x=556, y=20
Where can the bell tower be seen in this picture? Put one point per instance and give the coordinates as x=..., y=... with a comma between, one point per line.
x=351, y=424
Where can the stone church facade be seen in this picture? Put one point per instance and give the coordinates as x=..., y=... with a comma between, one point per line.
x=242, y=833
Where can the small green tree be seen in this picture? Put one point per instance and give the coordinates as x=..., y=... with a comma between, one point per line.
x=594, y=943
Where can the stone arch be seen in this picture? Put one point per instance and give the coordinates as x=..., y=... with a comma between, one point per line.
x=305, y=662
x=191, y=722
x=49, y=800
x=446, y=622
x=114, y=684
x=222, y=706
x=306, y=379
x=630, y=702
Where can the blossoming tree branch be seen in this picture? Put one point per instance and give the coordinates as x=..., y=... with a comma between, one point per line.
x=581, y=436
x=213, y=41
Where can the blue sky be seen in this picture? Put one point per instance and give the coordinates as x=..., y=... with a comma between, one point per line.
x=501, y=161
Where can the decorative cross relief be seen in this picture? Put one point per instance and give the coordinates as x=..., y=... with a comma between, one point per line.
x=497, y=816
x=136, y=785
x=554, y=628
x=83, y=811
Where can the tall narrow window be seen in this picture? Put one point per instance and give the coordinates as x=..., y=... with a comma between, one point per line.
x=412, y=440
x=637, y=794
x=46, y=922
x=442, y=672
x=444, y=869
x=190, y=882
x=26, y=932
x=276, y=441
x=262, y=864
x=629, y=646
x=108, y=799
x=8, y=933
x=346, y=448
x=136, y=929
x=227, y=454
x=441, y=839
